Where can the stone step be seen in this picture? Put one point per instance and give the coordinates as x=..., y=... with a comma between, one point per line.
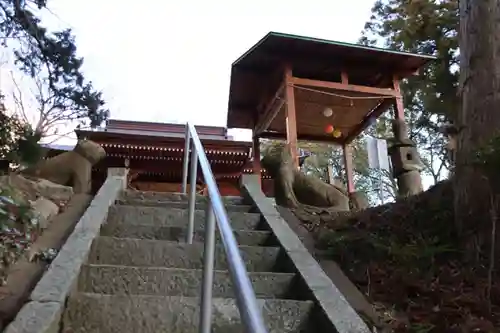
x=174, y=217
x=168, y=196
x=174, y=314
x=125, y=280
x=179, y=204
x=155, y=253
x=243, y=237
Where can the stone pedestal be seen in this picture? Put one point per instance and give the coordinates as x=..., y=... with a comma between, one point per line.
x=409, y=183
x=358, y=201
x=119, y=172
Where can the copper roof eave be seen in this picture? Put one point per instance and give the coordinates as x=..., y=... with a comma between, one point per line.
x=272, y=135
x=156, y=139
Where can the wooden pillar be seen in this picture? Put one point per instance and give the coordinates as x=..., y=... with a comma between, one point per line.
x=344, y=77
x=291, y=117
x=330, y=178
x=256, y=159
x=349, y=169
x=399, y=109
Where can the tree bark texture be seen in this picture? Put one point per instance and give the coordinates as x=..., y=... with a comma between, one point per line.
x=479, y=114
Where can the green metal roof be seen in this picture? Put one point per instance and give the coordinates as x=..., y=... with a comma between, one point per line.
x=330, y=42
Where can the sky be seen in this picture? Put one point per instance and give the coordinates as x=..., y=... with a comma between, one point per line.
x=170, y=61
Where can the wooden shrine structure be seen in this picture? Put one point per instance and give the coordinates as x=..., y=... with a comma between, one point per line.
x=154, y=153
x=284, y=87
x=298, y=88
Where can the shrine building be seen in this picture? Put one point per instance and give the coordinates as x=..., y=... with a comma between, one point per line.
x=300, y=88
x=285, y=87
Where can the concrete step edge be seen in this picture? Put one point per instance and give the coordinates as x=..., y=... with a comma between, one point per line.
x=157, y=203
x=141, y=252
x=196, y=229
x=180, y=269
x=90, y=312
x=154, y=297
x=173, y=196
x=167, y=281
x=175, y=243
x=177, y=233
x=175, y=209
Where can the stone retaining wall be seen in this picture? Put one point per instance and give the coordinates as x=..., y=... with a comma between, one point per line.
x=336, y=312
x=43, y=312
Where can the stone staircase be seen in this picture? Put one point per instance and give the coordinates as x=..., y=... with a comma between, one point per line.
x=140, y=276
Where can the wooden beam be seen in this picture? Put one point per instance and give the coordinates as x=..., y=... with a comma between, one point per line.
x=374, y=114
x=344, y=87
x=271, y=84
x=302, y=137
x=271, y=110
x=399, y=109
x=330, y=177
x=349, y=168
x=256, y=159
x=291, y=116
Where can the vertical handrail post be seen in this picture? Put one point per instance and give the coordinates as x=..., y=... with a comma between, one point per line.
x=208, y=272
x=246, y=300
x=193, y=172
x=186, y=161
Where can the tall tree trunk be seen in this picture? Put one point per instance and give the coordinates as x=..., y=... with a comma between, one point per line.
x=479, y=113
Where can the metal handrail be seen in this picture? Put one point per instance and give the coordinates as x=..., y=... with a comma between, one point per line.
x=246, y=300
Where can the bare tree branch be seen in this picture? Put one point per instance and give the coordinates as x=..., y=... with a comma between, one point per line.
x=17, y=96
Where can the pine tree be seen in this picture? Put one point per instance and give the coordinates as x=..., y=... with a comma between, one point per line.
x=51, y=57
x=430, y=98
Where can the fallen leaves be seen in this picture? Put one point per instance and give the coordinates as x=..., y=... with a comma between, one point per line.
x=18, y=230
x=407, y=259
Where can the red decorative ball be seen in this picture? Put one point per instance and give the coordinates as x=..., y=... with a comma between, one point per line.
x=329, y=129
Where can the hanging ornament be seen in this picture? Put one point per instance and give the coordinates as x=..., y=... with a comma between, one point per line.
x=329, y=129
x=336, y=133
x=327, y=112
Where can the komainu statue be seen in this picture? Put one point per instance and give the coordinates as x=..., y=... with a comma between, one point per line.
x=72, y=168
x=406, y=162
x=294, y=189
x=312, y=200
